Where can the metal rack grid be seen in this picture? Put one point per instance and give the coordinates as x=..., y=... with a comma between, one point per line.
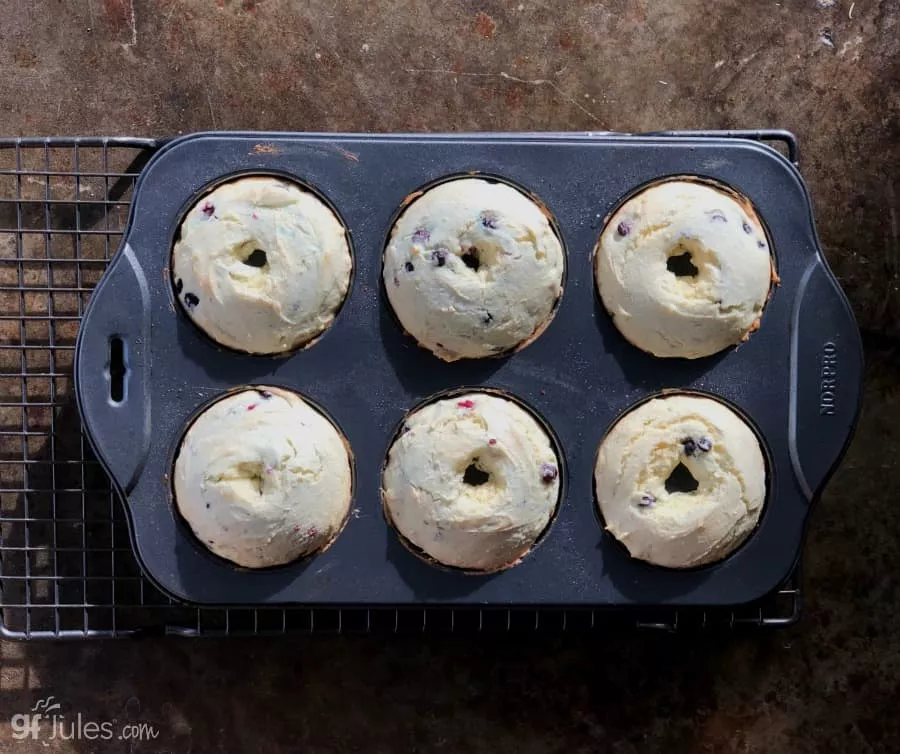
x=66, y=565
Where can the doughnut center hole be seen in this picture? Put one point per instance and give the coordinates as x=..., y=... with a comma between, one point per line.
x=680, y=265
x=474, y=475
x=471, y=258
x=253, y=472
x=257, y=258
x=681, y=480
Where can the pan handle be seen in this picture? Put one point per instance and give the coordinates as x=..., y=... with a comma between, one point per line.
x=826, y=378
x=111, y=369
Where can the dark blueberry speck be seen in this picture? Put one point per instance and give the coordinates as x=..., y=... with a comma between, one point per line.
x=207, y=505
x=489, y=220
x=761, y=244
x=179, y=286
x=208, y=209
x=488, y=318
x=747, y=228
x=396, y=279
x=690, y=447
x=623, y=228
x=646, y=499
x=439, y=256
x=264, y=394
x=549, y=472
x=421, y=235
x=718, y=217
x=190, y=300
x=705, y=444
x=409, y=267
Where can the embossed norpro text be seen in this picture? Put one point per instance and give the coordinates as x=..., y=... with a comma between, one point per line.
x=828, y=383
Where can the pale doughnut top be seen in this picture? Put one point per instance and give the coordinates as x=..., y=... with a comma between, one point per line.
x=680, y=529
x=472, y=481
x=261, y=265
x=473, y=269
x=680, y=225
x=263, y=478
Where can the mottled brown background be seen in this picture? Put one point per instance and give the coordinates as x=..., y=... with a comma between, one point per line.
x=830, y=684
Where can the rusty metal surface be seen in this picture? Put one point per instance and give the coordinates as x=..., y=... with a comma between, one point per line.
x=830, y=71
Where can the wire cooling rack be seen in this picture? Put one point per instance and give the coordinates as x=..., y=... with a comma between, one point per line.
x=66, y=565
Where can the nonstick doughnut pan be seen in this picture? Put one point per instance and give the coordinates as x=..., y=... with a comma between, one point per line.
x=143, y=370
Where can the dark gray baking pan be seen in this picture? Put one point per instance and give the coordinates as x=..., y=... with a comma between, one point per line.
x=143, y=369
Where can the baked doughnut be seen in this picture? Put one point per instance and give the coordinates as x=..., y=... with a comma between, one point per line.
x=472, y=481
x=473, y=269
x=684, y=269
x=263, y=478
x=261, y=265
x=680, y=481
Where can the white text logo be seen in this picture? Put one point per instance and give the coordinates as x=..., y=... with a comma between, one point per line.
x=46, y=721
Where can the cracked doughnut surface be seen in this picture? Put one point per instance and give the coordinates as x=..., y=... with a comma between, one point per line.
x=684, y=269
x=694, y=443
x=472, y=481
x=263, y=478
x=473, y=269
x=261, y=265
